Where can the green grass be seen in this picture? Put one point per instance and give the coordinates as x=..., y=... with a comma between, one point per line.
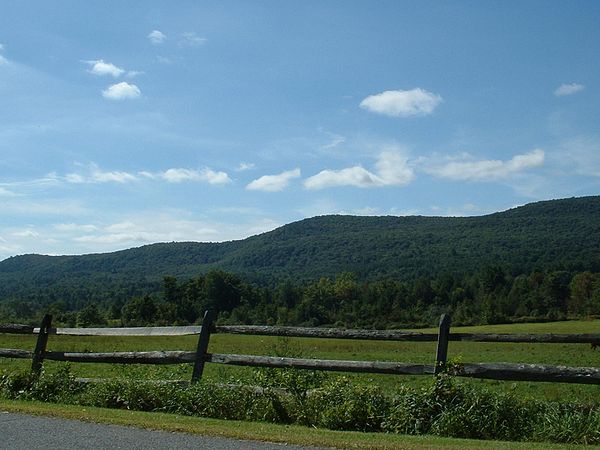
x=577, y=355
x=290, y=434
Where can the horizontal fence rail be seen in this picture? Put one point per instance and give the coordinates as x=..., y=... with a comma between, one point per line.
x=394, y=335
x=495, y=371
x=14, y=328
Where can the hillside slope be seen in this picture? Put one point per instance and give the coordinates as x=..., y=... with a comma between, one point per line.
x=545, y=235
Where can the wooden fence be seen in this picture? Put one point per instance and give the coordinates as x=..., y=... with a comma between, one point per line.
x=496, y=371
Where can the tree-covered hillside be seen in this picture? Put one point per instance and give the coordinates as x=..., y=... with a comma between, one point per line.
x=550, y=235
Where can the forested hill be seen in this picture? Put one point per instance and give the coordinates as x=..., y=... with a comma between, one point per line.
x=557, y=234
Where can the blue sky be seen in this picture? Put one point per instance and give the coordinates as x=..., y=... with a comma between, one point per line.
x=127, y=123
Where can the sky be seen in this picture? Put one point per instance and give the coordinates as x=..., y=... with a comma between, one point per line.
x=128, y=123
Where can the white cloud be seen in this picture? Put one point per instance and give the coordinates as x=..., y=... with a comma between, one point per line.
x=150, y=228
x=101, y=68
x=121, y=91
x=157, y=37
x=487, y=170
x=213, y=177
x=74, y=178
x=27, y=233
x=3, y=60
x=392, y=169
x=351, y=176
x=244, y=166
x=6, y=193
x=70, y=227
x=117, y=177
x=580, y=154
x=568, y=89
x=133, y=73
x=273, y=183
x=180, y=175
x=98, y=176
x=335, y=140
x=191, y=39
x=413, y=103
x=46, y=207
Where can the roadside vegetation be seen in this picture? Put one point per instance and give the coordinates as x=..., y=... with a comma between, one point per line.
x=445, y=407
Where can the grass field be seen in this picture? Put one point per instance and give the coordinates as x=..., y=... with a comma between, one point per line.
x=577, y=355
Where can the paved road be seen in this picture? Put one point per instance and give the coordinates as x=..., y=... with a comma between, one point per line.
x=22, y=432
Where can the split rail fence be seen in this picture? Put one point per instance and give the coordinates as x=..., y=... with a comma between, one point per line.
x=495, y=371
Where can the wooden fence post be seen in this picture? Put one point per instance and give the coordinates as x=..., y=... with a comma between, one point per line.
x=207, y=324
x=40, y=346
x=442, y=344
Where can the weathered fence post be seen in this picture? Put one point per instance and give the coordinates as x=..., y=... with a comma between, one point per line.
x=442, y=344
x=207, y=323
x=40, y=346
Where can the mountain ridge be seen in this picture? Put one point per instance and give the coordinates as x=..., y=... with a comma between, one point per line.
x=563, y=234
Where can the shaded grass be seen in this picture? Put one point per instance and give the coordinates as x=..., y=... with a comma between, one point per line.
x=290, y=434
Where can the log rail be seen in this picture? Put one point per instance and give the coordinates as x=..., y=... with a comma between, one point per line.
x=495, y=371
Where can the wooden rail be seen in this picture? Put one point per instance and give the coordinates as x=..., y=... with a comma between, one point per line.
x=495, y=371
x=394, y=335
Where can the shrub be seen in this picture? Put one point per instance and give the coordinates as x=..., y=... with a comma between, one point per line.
x=445, y=408
x=59, y=386
x=568, y=423
x=449, y=409
x=341, y=405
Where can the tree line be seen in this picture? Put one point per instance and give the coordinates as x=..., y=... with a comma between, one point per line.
x=493, y=295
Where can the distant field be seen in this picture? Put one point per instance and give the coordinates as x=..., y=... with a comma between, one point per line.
x=578, y=355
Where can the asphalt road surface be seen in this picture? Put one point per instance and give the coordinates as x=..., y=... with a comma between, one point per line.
x=22, y=432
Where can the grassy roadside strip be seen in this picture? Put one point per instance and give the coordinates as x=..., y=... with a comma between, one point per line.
x=291, y=434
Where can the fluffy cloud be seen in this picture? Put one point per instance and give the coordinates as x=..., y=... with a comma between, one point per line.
x=96, y=175
x=121, y=91
x=273, y=183
x=487, y=170
x=568, y=89
x=157, y=37
x=207, y=175
x=101, y=68
x=413, y=103
x=392, y=169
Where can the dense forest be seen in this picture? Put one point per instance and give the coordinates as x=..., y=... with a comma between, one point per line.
x=490, y=296
x=537, y=261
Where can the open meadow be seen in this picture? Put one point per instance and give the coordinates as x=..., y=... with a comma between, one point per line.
x=576, y=355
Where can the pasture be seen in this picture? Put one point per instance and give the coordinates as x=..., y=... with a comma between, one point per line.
x=576, y=355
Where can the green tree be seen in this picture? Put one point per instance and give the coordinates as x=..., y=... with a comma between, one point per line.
x=90, y=315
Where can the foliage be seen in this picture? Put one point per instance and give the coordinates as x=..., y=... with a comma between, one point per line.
x=445, y=408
